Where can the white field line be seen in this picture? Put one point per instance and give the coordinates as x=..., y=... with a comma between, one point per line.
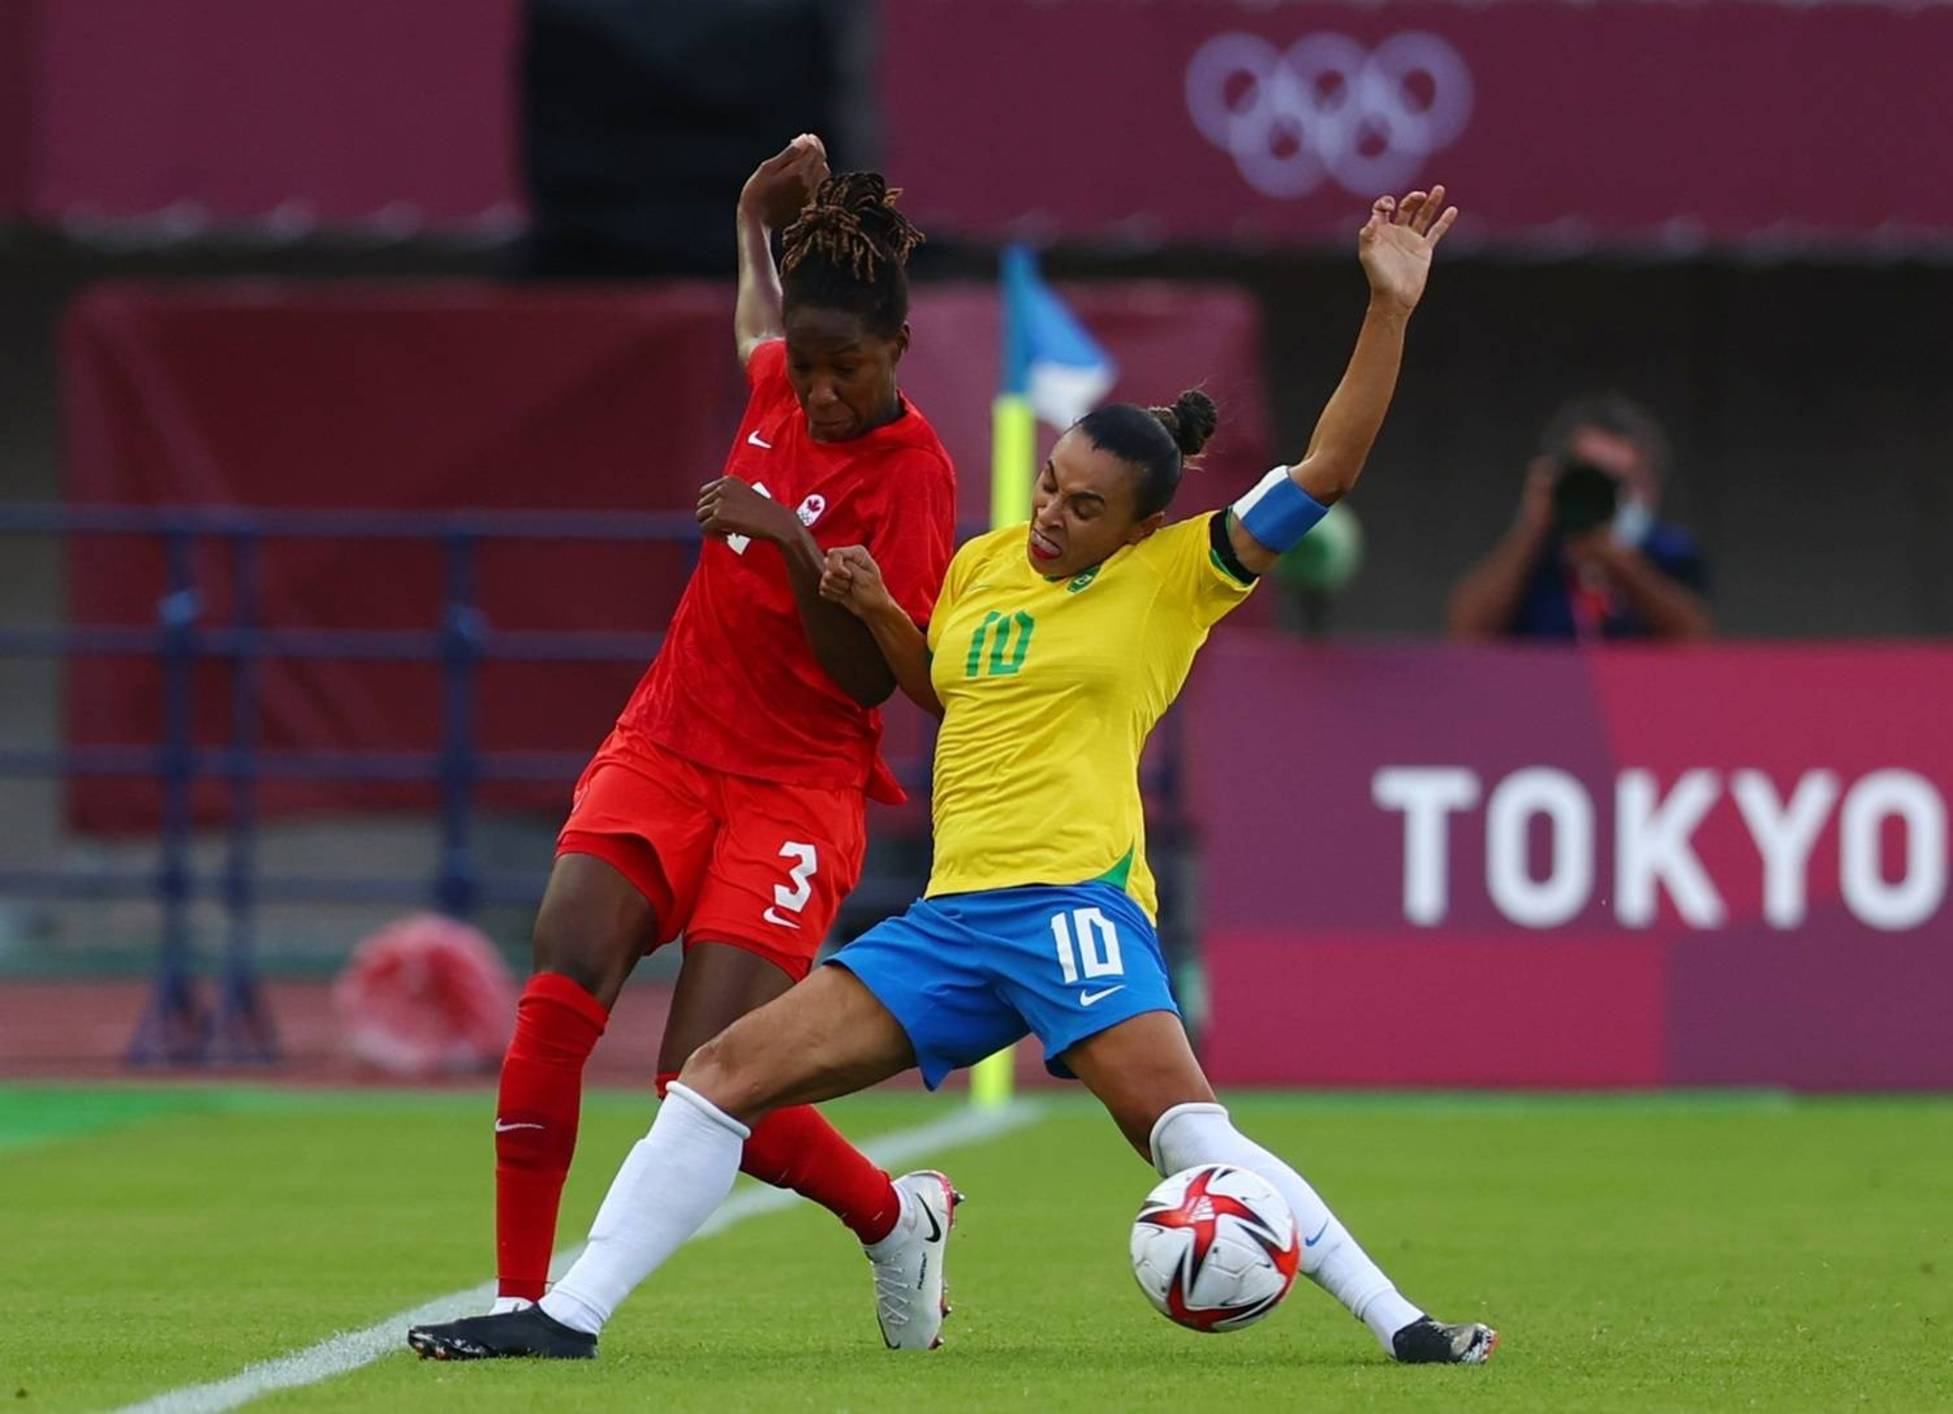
x=341, y=1354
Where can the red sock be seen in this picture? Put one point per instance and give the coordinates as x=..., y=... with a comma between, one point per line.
x=797, y=1148
x=556, y=1024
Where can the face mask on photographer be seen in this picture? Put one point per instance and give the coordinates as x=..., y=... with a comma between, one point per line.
x=1633, y=519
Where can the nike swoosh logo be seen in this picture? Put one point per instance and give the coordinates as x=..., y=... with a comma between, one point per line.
x=503, y=1126
x=1312, y=1241
x=777, y=921
x=935, y=1228
x=1092, y=998
x=754, y=438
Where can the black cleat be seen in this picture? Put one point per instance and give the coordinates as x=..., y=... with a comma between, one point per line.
x=1426, y=1342
x=508, y=1335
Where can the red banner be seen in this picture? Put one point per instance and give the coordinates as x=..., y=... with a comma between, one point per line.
x=1558, y=126
x=396, y=114
x=16, y=108
x=1547, y=867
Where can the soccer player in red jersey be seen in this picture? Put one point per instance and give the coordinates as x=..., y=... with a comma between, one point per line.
x=728, y=804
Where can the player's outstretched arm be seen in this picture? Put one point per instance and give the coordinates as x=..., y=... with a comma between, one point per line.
x=769, y=202
x=1395, y=246
x=853, y=579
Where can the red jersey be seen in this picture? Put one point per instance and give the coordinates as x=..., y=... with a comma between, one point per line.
x=736, y=686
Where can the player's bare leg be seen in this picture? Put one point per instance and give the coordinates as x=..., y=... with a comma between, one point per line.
x=1145, y=1073
x=717, y=984
x=591, y=929
x=823, y=1039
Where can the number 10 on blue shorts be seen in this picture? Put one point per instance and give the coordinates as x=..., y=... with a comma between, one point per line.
x=968, y=974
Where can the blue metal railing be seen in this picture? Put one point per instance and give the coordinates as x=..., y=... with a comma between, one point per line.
x=176, y=1027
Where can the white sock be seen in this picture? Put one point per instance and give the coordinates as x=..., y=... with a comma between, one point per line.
x=1192, y=1134
x=670, y=1182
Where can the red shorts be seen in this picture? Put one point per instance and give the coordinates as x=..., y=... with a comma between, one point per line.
x=720, y=858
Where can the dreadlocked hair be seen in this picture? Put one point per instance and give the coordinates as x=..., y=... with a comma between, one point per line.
x=847, y=252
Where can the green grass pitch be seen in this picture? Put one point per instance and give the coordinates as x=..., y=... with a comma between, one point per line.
x=1714, y=1252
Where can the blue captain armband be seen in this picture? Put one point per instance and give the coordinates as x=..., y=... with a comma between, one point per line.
x=1277, y=512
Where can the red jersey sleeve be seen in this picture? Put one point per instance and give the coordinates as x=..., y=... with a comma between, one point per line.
x=767, y=364
x=915, y=533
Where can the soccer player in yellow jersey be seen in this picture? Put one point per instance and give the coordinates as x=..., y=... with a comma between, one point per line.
x=1052, y=651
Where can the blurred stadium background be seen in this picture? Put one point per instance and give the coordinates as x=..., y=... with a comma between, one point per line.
x=361, y=358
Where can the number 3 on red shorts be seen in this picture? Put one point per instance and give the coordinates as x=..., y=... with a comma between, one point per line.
x=806, y=861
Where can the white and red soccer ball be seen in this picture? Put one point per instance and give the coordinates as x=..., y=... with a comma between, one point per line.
x=1215, y=1248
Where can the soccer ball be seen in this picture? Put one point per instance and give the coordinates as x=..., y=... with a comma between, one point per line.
x=1214, y=1248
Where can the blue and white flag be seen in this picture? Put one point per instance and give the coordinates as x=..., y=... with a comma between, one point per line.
x=1049, y=358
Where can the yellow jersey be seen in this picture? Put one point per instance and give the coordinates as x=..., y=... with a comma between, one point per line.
x=1049, y=690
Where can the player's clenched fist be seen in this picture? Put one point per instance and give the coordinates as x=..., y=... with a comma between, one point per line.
x=729, y=506
x=852, y=579
x=781, y=185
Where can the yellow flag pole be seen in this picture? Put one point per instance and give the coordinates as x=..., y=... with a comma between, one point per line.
x=1013, y=459
x=1013, y=465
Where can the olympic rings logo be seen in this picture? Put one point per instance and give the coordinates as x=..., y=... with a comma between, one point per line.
x=1329, y=109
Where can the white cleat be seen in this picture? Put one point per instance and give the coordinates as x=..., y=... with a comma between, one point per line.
x=910, y=1299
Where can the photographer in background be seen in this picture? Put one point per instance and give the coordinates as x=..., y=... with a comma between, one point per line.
x=1586, y=558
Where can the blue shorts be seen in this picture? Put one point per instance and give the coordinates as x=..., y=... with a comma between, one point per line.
x=968, y=974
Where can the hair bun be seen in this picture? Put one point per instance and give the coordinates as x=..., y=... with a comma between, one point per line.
x=1190, y=421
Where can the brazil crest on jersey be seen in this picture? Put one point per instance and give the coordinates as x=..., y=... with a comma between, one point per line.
x=1049, y=689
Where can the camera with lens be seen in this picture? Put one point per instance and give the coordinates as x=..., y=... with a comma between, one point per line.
x=1585, y=497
